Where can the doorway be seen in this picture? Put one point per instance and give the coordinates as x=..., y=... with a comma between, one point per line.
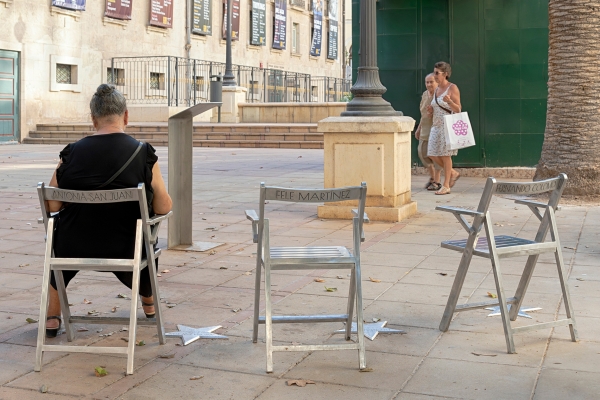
x=9, y=96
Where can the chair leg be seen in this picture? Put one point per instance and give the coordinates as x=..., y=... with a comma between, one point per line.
x=566, y=295
x=523, y=285
x=268, y=320
x=459, y=280
x=151, y=265
x=135, y=287
x=64, y=304
x=256, y=301
x=362, y=362
x=43, y=315
x=351, y=300
x=510, y=345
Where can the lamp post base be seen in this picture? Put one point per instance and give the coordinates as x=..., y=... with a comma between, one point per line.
x=370, y=106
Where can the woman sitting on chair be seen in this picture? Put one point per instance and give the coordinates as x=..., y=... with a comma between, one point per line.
x=104, y=230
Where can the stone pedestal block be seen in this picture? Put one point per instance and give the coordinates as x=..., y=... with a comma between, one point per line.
x=375, y=150
x=232, y=96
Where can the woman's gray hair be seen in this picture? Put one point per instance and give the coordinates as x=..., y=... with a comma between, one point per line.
x=107, y=101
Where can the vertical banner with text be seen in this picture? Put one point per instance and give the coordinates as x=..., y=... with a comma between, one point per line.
x=332, y=45
x=78, y=5
x=118, y=9
x=161, y=13
x=202, y=17
x=315, y=46
x=280, y=24
x=235, y=19
x=258, y=28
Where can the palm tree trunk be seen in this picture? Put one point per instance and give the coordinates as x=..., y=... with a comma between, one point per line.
x=572, y=137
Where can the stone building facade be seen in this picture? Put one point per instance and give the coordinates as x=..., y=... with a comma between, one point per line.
x=40, y=39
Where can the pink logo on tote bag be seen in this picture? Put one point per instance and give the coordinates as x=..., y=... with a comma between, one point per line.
x=460, y=128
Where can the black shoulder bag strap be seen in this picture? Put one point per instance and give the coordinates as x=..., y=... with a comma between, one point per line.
x=436, y=101
x=112, y=178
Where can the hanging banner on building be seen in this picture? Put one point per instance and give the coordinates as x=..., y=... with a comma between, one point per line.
x=161, y=13
x=202, y=17
x=235, y=20
x=332, y=45
x=258, y=28
x=78, y=5
x=118, y=9
x=279, y=24
x=315, y=46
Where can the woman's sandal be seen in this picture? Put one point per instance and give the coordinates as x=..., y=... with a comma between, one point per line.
x=428, y=184
x=52, y=332
x=453, y=180
x=443, y=190
x=435, y=186
x=148, y=305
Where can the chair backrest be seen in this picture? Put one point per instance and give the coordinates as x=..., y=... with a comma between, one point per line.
x=92, y=197
x=350, y=193
x=492, y=187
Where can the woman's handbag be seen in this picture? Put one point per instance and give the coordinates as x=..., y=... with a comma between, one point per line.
x=458, y=131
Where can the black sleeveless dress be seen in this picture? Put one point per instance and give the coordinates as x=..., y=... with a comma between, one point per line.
x=102, y=230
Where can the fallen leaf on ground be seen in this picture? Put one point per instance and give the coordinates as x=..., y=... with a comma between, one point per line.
x=299, y=382
x=570, y=248
x=82, y=329
x=442, y=273
x=31, y=320
x=374, y=280
x=248, y=273
x=376, y=319
x=44, y=389
x=9, y=317
x=122, y=296
x=340, y=277
x=236, y=310
x=23, y=265
x=171, y=305
x=99, y=371
x=86, y=301
x=125, y=339
x=212, y=253
x=485, y=355
x=165, y=271
x=319, y=280
x=140, y=343
x=580, y=279
x=497, y=224
x=114, y=309
x=168, y=355
x=223, y=268
x=93, y=312
x=330, y=289
x=366, y=370
x=492, y=295
x=195, y=378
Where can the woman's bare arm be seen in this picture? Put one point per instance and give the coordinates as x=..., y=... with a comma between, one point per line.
x=162, y=202
x=453, y=98
x=53, y=205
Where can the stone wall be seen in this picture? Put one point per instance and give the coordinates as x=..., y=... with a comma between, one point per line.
x=289, y=112
x=39, y=32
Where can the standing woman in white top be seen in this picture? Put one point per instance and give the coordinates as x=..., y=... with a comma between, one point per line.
x=446, y=100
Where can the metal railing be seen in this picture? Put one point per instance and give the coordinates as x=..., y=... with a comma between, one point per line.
x=177, y=81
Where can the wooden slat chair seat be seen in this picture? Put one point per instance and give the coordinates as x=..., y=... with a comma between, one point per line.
x=502, y=246
x=146, y=235
x=308, y=258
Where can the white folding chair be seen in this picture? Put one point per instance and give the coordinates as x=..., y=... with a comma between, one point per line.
x=498, y=247
x=146, y=235
x=308, y=258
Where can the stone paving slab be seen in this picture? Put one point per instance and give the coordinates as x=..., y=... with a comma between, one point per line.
x=202, y=289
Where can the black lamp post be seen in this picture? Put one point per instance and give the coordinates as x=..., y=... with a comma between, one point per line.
x=229, y=78
x=368, y=90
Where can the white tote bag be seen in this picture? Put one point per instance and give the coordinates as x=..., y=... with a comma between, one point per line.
x=458, y=131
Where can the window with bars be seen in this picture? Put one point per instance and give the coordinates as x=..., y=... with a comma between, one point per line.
x=64, y=73
x=157, y=81
x=115, y=76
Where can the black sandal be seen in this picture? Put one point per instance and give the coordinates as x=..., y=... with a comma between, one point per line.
x=435, y=186
x=148, y=305
x=51, y=333
x=428, y=184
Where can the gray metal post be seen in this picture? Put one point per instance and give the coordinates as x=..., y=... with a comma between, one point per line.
x=368, y=90
x=228, y=78
x=180, y=176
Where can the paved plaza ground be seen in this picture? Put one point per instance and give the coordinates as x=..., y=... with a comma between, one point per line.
x=411, y=279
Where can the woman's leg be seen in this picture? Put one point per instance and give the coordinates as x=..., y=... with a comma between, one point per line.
x=448, y=171
x=53, y=309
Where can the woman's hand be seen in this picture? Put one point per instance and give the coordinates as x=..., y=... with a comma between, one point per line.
x=448, y=99
x=430, y=110
x=418, y=133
